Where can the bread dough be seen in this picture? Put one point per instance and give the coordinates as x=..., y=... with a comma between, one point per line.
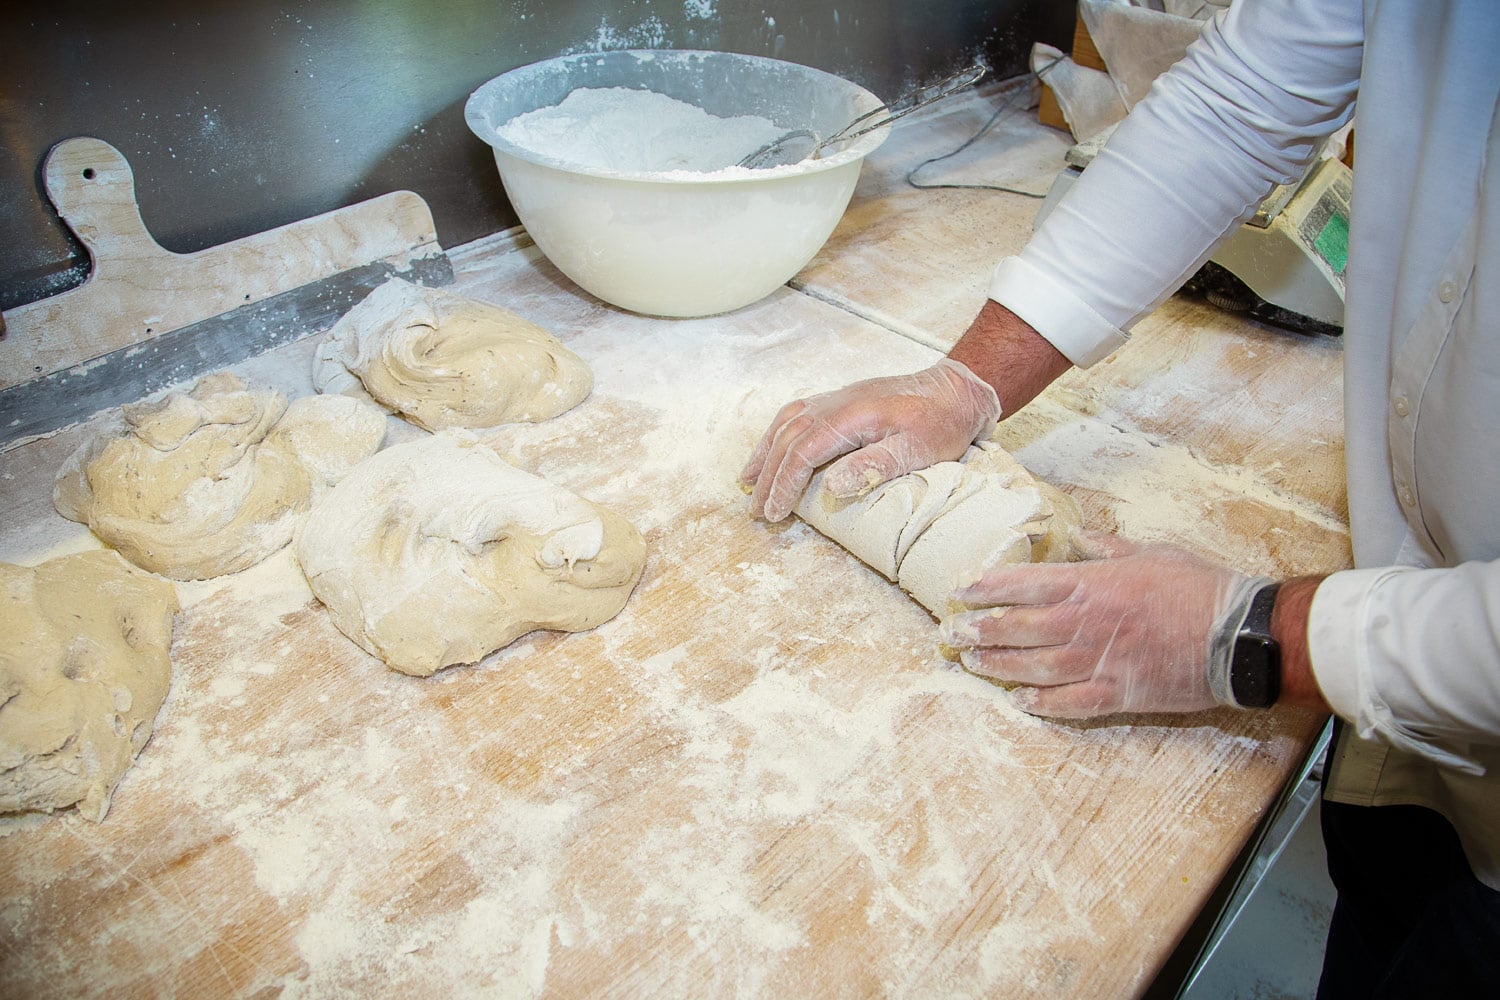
x=934, y=530
x=212, y=481
x=84, y=669
x=437, y=552
x=443, y=360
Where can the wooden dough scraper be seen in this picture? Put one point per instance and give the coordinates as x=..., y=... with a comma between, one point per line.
x=146, y=318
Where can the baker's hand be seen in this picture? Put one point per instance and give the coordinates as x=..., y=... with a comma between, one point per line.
x=884, y=428
x=1129, y=629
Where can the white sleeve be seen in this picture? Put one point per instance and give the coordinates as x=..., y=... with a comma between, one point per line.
x=1412, y=656
x=1246, y=109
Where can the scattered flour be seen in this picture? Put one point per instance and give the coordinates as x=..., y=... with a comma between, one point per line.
x=625, y=130
x=830, y=810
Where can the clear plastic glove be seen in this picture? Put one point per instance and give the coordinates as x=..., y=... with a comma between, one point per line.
x=1130, y=629
x=884, y=428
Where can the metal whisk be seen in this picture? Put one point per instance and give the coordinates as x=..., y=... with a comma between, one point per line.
x=800, y=144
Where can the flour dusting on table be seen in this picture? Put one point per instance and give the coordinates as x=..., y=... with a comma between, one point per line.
x=761, y=779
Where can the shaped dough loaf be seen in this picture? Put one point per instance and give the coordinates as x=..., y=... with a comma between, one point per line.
x=443, y=360
x=933, y=530
x=212, y=481
x=437, y=552
x=84, y=669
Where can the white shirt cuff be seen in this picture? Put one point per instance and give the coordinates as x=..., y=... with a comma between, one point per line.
x=1332, y=639
x=1346, y=606
x=1070, y=324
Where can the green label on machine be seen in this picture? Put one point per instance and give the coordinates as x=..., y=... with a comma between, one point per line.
x=1332, y=242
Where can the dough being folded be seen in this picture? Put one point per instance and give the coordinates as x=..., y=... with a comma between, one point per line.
x=84, y=668
x=212, y=481
x=443, y=360
x=437, y=552
x=933, y=530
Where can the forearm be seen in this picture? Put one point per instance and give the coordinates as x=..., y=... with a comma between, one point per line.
x=1245, y=109
x=1004, y=350
x=1289, y=629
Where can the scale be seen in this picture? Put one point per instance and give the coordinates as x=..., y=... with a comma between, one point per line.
x=1285, y=265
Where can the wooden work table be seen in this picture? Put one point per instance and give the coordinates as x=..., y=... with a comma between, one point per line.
x=762, y=778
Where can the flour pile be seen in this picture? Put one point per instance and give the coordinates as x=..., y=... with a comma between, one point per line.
x=625, y=130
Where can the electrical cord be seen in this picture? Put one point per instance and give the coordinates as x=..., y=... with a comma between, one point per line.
x=1008, y=105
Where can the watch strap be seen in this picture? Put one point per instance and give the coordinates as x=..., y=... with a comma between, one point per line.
x=1225, y=635
x=1255, y=659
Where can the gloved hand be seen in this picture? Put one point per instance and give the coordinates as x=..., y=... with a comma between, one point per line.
x=1130, y=629
x=892, y=426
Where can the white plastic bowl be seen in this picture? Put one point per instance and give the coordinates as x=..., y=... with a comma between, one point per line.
x=676, y=243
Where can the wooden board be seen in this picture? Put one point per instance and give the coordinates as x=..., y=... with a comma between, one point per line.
x=762, y=778
x=138, y=291
x=1084, y=53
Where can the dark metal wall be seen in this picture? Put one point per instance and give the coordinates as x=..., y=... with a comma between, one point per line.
x=242, y=115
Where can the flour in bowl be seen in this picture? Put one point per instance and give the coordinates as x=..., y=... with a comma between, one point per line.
x=626, y=130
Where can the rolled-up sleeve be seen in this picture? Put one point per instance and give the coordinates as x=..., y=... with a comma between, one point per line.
x=1246, y=109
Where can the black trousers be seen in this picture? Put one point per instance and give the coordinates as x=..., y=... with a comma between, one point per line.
x=1411, y=919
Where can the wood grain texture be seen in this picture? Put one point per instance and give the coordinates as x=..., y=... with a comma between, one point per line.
x=137, y=290
x=1084, y=51
x=762, y=779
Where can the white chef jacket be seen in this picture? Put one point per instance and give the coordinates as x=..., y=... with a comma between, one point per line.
x=1405, y=646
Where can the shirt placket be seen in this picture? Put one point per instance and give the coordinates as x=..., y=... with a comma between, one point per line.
x=1412, y=371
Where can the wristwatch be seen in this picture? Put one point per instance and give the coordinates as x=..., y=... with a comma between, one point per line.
x=1255, y=662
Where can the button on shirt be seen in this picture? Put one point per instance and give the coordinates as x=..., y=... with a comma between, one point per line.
x=1406, y=646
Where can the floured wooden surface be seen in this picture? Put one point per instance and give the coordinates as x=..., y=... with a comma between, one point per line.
x=761, y=779
x=1238, y=394
x=919, y=261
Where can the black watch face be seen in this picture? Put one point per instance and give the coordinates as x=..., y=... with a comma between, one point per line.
x=1255, y=674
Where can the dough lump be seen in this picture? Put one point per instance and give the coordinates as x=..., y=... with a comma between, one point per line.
x=84, y=668
x=212, y=481
x=934, y=530
x=443, y=360
x=438, y=552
